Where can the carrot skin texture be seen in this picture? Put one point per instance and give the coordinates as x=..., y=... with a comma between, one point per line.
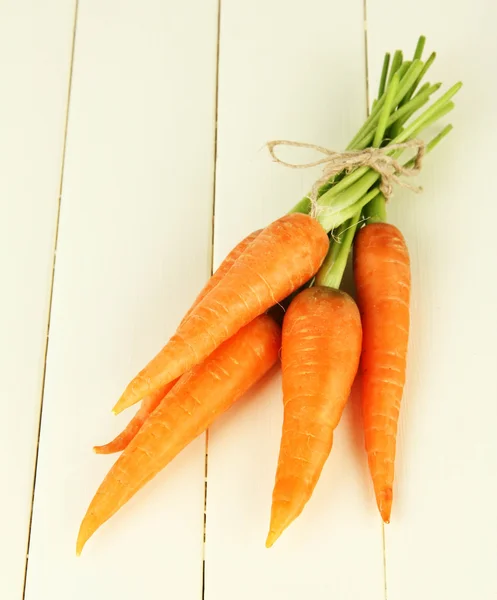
x=150, y=403
x=285, y=255
x=321, y=348
x=200, y=396
x=383, y=281
x=223, y=268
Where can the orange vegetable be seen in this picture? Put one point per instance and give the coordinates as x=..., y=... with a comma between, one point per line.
x=321, y=349
x=285, y=255
x=223, y=268
x=150, y=403
x=188, y=410
x=383, y=281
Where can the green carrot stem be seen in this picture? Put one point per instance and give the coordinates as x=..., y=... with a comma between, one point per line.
x=370, y=197
x=330, y=217
x=405, y=84
x=433, y=143
x=357, y=183
x=332, y=255
x=375, y=211
x=302, y=206
x=420, y=47
x=402, y=114
x=331, y=272
x=364, y=178
x=444, y=110
x=385, y=111
x=384, y=73
x=371, y=121
x=396, y=130
x=398, y=58
x=427, y=114
x=422, y=73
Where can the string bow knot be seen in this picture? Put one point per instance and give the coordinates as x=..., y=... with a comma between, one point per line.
x=378, y=159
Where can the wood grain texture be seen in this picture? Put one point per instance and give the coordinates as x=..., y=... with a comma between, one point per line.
x=285, y=72
x=134, y=249
x=35, y=53
x=442, y=541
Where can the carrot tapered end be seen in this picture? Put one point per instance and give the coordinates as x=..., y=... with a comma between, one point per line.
x=82, y=539
x=131, y=395
x=384, y=500
x=272, y=537
x=121, y=405
x=282, y=515
x=88, y=526
x=109, y=448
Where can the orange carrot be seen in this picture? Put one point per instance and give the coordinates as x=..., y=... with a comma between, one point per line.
x=383, y=281
x=320, y=356
x=223, y=268
x=188, y=410
x=150, y=403
x=285, y=255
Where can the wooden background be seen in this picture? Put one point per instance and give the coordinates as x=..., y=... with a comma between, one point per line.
x=131, y=156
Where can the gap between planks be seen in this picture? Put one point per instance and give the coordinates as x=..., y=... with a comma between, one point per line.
x=214, y=181
x=216, y=112
x=368, y=95
x=51, y=289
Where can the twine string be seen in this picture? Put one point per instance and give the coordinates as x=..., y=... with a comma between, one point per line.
x=378, y=159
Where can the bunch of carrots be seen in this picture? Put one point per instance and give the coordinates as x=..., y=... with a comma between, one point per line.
x=230, y=337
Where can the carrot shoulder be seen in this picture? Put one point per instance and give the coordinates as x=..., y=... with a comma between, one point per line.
x=383, y=282
x=188, y=410
x=321, y=348
x=285, y=255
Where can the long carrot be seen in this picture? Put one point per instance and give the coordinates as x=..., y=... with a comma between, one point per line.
x=223, y=268
x=188, y=410
x=150, y=403
x=383, y=281
x=320, y=356
x=285, y=255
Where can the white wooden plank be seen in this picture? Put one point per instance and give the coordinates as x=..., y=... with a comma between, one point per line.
x=134, y=249
x=293, y=73
x=442, y=542
x=35, y=50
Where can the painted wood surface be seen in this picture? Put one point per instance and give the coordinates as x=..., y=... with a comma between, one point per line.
x=442, y=541
x=283, y=74
x=134, y=248
x=164, y=170
x=35, y=55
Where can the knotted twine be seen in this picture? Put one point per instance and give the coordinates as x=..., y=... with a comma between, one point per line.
x=388, y=168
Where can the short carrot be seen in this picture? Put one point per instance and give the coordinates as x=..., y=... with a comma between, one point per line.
x=150, y=403
x=285, y=255
x=320, y=356
x=383, y=282
x=201, y=395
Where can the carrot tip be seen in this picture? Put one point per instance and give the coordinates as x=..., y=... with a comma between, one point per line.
x=120, y=406
x=272, y=537
x=385, y=504
x=80, y=545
